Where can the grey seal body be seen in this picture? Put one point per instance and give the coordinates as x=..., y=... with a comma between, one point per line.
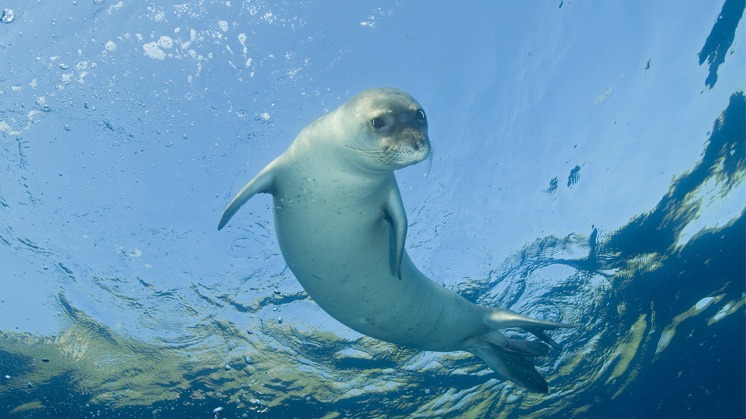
x=341, y=226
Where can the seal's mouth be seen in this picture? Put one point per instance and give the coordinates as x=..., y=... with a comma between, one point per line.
x=406, y=150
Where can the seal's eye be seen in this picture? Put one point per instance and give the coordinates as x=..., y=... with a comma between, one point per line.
x=420, y=115
x=377, y=123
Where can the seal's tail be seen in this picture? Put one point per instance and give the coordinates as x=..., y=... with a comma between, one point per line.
x=511, y=358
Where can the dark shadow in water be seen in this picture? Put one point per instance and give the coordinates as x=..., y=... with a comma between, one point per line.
x=701, y=373
x=658, y=230
x=573, y=177
x=721, y=38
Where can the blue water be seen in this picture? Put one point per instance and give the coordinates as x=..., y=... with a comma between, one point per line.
x=588, y=166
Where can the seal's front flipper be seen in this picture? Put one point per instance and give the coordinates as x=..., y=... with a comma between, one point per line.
x=394, y=212
x=262, y=183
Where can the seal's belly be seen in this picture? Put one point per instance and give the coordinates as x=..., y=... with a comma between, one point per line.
x=343, y=260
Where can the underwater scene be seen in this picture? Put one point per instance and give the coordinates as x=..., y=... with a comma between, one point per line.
x=586, y=166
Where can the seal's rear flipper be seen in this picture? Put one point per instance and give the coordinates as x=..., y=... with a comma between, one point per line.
x=510, y=358
x=501, y=319
x=263, y=182
x=513, y=364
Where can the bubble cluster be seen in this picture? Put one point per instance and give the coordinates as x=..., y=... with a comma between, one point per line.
x=8, y=16
x=604, y=96
x=165, y=42
x=152, y=50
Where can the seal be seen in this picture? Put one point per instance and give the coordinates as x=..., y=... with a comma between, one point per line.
x=341, y=227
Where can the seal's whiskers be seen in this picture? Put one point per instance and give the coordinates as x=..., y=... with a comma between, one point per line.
x=379, y=155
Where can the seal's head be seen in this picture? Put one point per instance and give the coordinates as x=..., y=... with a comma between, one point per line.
x=393, y=128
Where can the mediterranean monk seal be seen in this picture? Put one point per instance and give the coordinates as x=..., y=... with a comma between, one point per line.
x=341, y=226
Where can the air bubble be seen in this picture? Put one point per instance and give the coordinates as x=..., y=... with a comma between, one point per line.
x=8, y=16
x=166, y=42
x=604, y=96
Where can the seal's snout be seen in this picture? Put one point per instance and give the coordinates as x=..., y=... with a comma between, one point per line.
x=417, y=139
x=422, y=142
